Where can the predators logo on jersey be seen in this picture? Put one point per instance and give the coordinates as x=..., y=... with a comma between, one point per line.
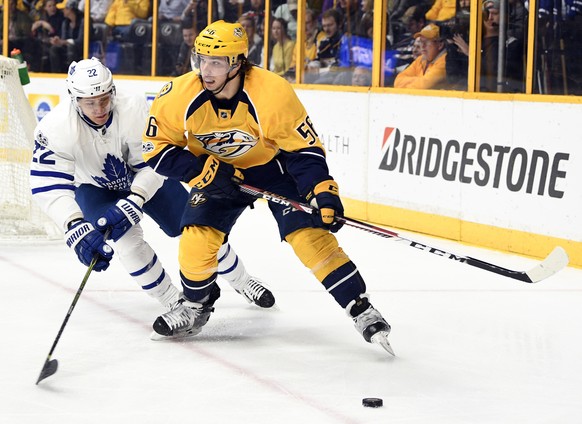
x=244, y=131
x=229, y=144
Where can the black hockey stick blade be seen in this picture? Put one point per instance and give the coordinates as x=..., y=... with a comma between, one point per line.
x=50, y=367
x=554, y=262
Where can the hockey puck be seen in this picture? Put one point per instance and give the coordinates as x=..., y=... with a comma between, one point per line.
x=372, y=402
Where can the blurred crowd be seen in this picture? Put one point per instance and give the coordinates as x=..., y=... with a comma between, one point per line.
x=425, y=44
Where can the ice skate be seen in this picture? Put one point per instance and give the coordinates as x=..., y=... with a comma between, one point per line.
x=185, y=319
x=369, y=322
x=253, y=290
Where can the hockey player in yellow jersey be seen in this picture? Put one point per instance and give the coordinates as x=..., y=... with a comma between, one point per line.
x=227, y=122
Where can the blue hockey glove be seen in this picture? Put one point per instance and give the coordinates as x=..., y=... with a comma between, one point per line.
x=218, y=179
x=122, y=216
x=88, y=242
x=325, y=197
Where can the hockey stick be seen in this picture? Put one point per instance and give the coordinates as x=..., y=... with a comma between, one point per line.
x=51, y=365
x=553, y=263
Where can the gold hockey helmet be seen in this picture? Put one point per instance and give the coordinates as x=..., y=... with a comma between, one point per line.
x=223, y=39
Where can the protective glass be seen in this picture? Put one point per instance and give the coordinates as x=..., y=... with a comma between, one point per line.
x=210, y=65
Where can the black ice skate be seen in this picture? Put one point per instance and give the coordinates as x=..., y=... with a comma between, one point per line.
x=185, y=319
x=253, y=290
x=369, y=322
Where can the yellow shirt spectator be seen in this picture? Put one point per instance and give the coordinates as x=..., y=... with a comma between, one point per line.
x=122, y=12
x=442, y=10
x=429, y=69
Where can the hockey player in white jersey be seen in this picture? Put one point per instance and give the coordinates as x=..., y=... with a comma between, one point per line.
x=88, y=175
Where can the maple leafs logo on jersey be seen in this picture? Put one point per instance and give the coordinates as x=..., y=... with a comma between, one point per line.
x=227, y=144
x=118, y=176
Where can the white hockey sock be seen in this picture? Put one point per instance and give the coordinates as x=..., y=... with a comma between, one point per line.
x=165, y=292
x=230, y=267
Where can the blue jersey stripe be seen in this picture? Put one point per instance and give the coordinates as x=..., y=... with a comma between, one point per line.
x=53, y=187
x=54, y=174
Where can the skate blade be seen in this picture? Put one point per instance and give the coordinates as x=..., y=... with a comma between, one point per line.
x=381, y=339
x=180, y=336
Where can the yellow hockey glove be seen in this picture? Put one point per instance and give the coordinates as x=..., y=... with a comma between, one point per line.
x=325, y=197
x=217, y=179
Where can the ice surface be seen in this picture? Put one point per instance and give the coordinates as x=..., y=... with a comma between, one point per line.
x=471, y=346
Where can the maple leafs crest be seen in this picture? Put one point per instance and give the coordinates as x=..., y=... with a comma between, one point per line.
x=117, y=174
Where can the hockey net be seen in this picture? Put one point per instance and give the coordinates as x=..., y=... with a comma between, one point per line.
x=20, y=217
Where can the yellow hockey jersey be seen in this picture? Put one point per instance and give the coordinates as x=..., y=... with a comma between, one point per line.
x=262, y=119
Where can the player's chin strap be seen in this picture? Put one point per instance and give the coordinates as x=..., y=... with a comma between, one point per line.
x=102, y=129
x=228, y=79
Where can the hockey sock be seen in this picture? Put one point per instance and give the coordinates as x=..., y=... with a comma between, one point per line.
x=345, y=284
x=230, y=267
x=205, y=292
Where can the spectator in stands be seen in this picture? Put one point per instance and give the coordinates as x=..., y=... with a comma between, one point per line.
x=513, y=73
x=428, y=71
x=99, y=9
x=169, y=31
x=399, y=8
x=288, y=11
x=514, y=60
x=442, y=10
x=67, y=46
x=183, y=62
x=19, y=33
x=50, y=20
x=256, y=9
x=197, y=12
x=255, y=55
x=315, y=5
x=350, y=12
x=457, y=64
x=362, y=76
x=282, y=53
x=122, y=13
x=171, y=10
x=226, y=10
x=48, y=26
x=328, y=49
x=404, y=49
x=365, y=25
x=313, y=37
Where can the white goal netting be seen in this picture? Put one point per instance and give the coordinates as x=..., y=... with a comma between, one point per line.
x=20, y=217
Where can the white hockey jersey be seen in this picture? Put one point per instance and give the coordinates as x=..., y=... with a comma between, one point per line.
x=68, y=152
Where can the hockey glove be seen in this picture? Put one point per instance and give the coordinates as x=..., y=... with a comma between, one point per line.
x=88, y=243
x=218, y=179
x=122, y=216
x=325, y=197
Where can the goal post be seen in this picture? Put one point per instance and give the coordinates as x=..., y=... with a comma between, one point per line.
x=20, y=217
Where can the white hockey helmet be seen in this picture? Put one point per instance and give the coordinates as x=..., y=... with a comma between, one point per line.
x=89, y=78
